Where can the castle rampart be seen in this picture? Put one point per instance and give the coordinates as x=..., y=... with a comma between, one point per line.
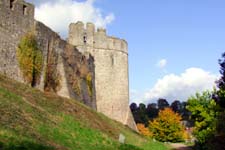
x=86, y=36
x=64, y=67
x=111, y=69
x=16, y=18
x=65, y=70
x=90, y=67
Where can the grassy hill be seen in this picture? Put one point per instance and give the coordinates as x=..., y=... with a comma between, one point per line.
x=33, y=120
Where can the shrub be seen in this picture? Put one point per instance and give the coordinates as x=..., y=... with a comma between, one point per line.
x=30, y=59
x=167, y=126
x=143, y=130
x=204, y=113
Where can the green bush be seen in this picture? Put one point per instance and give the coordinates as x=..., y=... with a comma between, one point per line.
x=204, y=113
x=30, y=59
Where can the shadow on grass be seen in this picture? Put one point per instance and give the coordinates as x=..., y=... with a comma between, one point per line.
x=128, y=147
x=183, y=148
x=25, y=145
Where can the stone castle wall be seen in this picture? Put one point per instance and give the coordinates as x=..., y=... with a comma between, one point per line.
x=16, y=18
x=90, y=67
x=64, y=69
x=111, y=69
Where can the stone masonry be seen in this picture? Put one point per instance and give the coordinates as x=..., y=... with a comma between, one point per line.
x=111, y=69
x=16, y=18
x=90, y=67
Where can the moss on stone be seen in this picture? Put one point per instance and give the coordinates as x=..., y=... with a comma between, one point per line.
x=30, y=59
x=52, y=78
x=89, y=84
x=76, y=87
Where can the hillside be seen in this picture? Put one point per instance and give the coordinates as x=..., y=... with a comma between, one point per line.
x=31, y=119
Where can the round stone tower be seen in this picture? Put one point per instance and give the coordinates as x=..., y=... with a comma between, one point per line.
x=111, y=69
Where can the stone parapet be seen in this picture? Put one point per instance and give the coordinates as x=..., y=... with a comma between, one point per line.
x=86, y=35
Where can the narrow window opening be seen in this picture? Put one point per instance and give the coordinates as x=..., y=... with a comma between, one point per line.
x=11, y=5
x=112, y=61
x=85, y=39
x=24, y=10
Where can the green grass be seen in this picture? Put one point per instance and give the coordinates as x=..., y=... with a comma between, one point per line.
x=33, y=120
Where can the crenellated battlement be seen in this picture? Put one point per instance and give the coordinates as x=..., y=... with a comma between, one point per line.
x=17, y=16
x=87, y=36
x=16, y=19
x=20, y=8
x=91, y=66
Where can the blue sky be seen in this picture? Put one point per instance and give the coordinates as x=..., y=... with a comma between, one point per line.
x=188, y=33
x=187, y=36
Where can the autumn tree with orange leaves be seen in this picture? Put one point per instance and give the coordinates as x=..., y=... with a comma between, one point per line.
x=143, y=130
x=167, y=126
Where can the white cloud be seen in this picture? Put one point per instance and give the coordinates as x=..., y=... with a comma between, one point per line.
x=161, y=63
x=179, y=87
x=58, y=14
x=135, y=96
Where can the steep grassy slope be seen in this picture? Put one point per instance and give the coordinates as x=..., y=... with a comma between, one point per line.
x=31, y=119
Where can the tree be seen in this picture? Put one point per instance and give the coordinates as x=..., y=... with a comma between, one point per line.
x=204, y=113
x=162, y=103
x=176, y=106
x=142, y=114
x=167, y=126
x=184, y=112
x=217, y=141
x=139, y=113
x=220, y=97
x=152, y=111
x=143, y=130
x=133, y=107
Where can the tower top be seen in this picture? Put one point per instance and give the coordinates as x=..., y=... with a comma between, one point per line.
x=18, y=7
x=81, y=34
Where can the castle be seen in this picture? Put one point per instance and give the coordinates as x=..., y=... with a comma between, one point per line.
x=90, y=66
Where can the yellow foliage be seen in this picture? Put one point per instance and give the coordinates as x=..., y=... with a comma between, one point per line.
x=167, y=126
x=187, y=135
x=143, y=130
x=89, y=83
x=30, y=58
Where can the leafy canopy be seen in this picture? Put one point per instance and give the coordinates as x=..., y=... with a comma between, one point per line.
x=167, y=126
x=204, y=112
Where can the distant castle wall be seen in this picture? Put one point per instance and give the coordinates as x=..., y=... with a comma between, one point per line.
x=81, y=35
x=111, y=69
